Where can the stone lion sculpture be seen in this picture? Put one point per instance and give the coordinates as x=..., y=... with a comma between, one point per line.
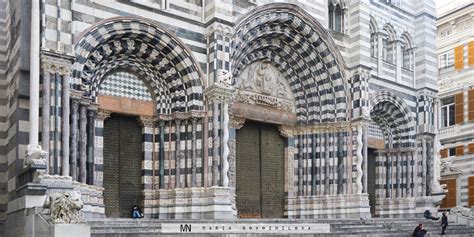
x=463, y=211
x=35, y=155
x=223, y=78
x=64, y=207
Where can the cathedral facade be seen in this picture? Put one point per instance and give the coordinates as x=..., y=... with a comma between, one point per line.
x=213, y=109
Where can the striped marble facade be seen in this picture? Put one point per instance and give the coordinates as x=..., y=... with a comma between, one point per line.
x=174, y=55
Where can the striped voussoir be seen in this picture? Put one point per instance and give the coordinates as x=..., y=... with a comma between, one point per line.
x=395, y=119
x=167, y=67
x=303, y=51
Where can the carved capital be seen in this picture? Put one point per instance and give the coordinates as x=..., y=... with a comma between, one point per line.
x=102, y=114
x=236, y=122
x=147, y=121
x=286, y=131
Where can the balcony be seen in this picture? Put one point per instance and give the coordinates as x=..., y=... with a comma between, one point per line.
x=456, y=132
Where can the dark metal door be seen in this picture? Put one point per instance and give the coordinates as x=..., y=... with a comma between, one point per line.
x=122, y=165
x=371, y=176
x=260, y=163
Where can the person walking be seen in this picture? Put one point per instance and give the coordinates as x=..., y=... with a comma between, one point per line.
x=444, y=223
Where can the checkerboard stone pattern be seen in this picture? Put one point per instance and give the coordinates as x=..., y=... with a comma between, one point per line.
x=124, y=84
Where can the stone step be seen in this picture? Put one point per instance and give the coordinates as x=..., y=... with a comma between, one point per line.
x=339, y=227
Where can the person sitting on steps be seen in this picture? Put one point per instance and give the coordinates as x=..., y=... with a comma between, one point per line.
x=428, y=216
x=136, y=212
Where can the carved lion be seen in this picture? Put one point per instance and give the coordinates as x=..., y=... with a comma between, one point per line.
x=223, y=78
x=35, y=155
x=463, y=211
x=64, y=207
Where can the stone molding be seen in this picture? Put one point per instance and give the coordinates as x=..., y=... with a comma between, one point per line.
x=102, y=114
x=147, y=121
x=236, y=122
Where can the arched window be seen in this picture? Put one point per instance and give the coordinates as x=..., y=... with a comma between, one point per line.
x=389, y=45
x=373, y=41
x=336, y=17
x=407, y=52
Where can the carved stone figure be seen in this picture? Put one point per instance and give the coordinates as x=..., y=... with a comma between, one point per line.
x=35, y=155
x=223, y=78
x=263, y=84
x=446, y=166
x=463, y=211
x=64, y=208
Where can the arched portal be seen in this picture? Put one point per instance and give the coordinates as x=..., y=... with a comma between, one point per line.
x=288, y=72
x=393, y=165
x=152, y=85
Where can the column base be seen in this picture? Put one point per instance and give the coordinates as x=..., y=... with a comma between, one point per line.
x=329, y=206
x=408, y=207
x=195, y=203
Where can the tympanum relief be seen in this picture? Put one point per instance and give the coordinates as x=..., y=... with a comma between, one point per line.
x=261, y=83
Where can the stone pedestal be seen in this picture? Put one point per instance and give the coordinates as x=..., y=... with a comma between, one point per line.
x=65, y=230
x=328, y=206
x=195, y=203
x=408, y=207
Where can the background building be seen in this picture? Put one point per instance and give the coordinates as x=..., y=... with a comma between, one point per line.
x=456, y=100
x=330, y=110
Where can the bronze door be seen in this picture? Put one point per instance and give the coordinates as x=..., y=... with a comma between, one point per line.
x=122, y=165
x=260, y=188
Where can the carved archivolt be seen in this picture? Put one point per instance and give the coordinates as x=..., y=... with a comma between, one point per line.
x=262, y=84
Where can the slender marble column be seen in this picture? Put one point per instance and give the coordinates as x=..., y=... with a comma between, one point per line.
x=162, y=154
x=398, y=157
x=423, y=167
x=326, y=164
x=215, y=145
x=379, y=54
x=178, y=154
x=65, y=125
x=83, y=144
x=429, y=166
x=388, y=175
x=34, y=73
x=300, y=165
x=193, y=152
x=74, y=138
x=46, y=114
x=340, y=163
x=90, y=146
x=365, y=155
x=313, y=164
x=413, y=173
x=225, y=146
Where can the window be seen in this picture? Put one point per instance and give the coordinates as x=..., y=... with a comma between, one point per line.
x=447, y=112
x=459, y=57
x=336, y=17
x=450, y=199
x=446, y=60
x=470, y=191
x=407, y=56
x=452, y=151
x=373, y=42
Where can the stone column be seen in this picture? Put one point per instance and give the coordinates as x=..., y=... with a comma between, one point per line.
x=300, y=165
x=34, y=75
x=423, y=167
x=220, y=93
x=148, y=124
x=215, y=143
x=74, y=138
x=388, y=159
x=313, y=164
x=327, y=167
x=46, y=112
x=161, y=155
x=90, y=145
x=340, y=163
x=399, y=62
x=178, y=154
x=83, y=144
x=429, y=166
x=65, y=124
x=398, y=157
x=193, y=152
x=100, y=117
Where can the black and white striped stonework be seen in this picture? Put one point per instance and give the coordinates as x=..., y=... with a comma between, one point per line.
x=167, y=66
x=301, y=49
x=395, y=120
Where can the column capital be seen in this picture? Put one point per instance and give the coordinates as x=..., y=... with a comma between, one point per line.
x=102, y=114
x=236, y=122
x=222, y=89
x=75, y=94
x=147, y=121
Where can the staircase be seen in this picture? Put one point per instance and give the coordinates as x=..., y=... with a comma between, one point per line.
x=339, y=227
